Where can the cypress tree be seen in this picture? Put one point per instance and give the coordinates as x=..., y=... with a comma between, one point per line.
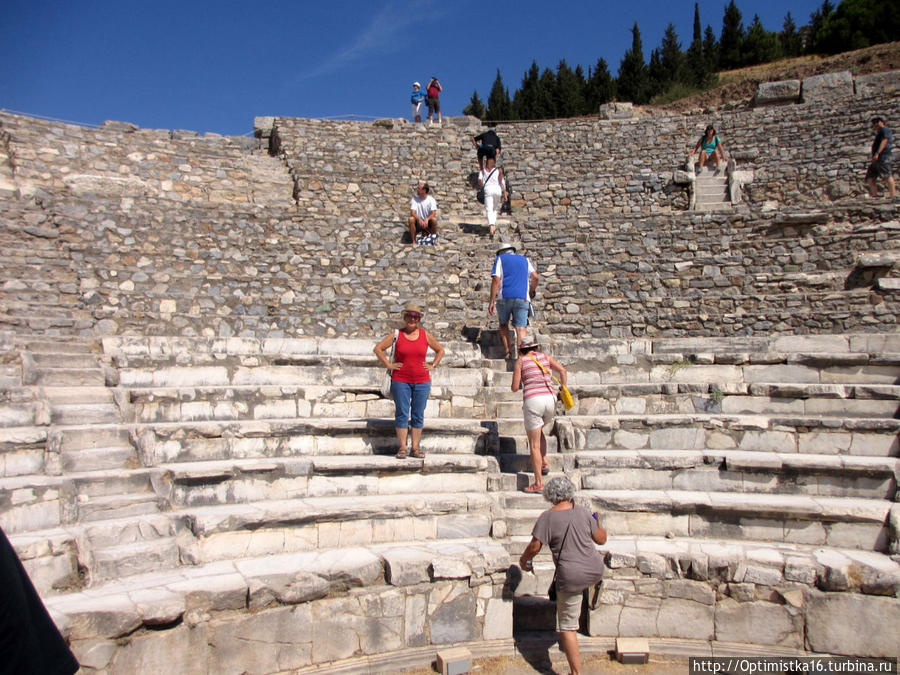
x=499, y=106
x=632, y=82
x=731, y=38
x=695, y=63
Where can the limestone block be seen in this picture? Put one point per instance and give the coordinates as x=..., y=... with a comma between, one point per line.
x=680, y=618
x=823, y=442
x=884, y=85
x=694, y=591
x=638, y=617
x=263, y=126
x=414, y=620
x=616, y=111
x=407, y=566
x=758, y=623
x=498, y=619
x=604, y=620
x=768, y=441
x=677, y=438
x=451, y=616
x=158, y=606
x=335, y=630
x=182, y=649
x=213, y=593
x=464, y=526
x=828, y=87
x=92, y=617
x=875, y=624
x=783, y=91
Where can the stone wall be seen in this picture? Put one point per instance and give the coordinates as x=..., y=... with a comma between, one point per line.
x=122, y=230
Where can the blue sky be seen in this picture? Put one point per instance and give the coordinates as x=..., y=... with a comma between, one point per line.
x=215, y=65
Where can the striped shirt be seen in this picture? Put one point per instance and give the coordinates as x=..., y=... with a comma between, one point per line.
x=535, y=382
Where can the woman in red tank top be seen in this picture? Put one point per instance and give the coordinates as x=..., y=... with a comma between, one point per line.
x=410, y=377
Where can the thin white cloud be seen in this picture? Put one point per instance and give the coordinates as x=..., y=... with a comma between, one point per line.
x=389, y=28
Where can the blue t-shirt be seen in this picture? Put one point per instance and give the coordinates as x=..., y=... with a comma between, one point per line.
x=883, y=133
x=514, y=271
x=417, y=96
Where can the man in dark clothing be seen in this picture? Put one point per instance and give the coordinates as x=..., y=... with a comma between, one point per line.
x=488, y=145
x=30, y=643
x=880, y=159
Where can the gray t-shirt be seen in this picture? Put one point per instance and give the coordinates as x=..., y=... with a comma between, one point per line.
x=580, y=564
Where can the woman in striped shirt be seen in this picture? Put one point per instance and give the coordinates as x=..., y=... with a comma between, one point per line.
x=532, y=375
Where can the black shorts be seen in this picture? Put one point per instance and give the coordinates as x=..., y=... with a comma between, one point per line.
x=880, y=168
x=434, y=105
x=488, y=151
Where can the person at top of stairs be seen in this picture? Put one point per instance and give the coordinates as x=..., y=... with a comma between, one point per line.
x=711, y=148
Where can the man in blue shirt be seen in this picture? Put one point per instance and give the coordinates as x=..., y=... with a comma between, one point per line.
x=513, y=283
x=880, y=159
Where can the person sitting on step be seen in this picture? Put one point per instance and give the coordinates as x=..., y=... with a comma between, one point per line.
x=711, y=148
x=423, y=215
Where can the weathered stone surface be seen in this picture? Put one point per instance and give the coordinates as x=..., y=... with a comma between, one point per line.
x=827, y=87
x=783, y=91
x=760, y=623
x=878, y=84
x=271, y=641
x=451, y=612
x=876, y=623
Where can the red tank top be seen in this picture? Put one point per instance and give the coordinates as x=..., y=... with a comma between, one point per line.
x=411, y=353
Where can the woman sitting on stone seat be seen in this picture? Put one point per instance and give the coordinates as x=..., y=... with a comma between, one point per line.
x=711, y=148
x=410, y=377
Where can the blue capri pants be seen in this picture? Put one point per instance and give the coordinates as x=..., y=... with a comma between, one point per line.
x=409, y=404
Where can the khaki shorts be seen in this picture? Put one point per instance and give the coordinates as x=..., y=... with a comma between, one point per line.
x=539, y=411
x=568, y=610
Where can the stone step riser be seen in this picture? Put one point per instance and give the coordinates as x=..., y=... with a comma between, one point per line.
x=99, y=459
x=781, y=439
x=253, y=489
x=756, y=526
x=62, y=377
x=69, y=360
x=73, y=440
x=103, y=413
x=714, y=479
x=123, y=561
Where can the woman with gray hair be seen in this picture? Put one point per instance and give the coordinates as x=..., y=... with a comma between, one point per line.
x=571, y=532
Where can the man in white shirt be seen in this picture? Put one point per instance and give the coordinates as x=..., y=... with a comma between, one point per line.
x=423, y=213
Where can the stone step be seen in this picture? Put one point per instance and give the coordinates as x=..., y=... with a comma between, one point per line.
x=117, y=506
x=735, y=471
x=249, y=481
x=759, y=433
x=78, y=395
x=40, y=344
x=68, y=377
x=100, y=459
x=64, y=360
x=199, y=441
x=274, y=527
x=85, y=413
x=96, y=437
x=116, y=563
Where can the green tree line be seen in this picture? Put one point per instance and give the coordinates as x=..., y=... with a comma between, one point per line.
x=672, y=73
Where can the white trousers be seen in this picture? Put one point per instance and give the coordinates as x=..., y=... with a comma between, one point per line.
x=492, y=202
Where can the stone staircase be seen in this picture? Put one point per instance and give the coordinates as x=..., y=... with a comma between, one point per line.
x=711, y=190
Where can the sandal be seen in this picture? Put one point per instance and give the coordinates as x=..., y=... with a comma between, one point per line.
x=545, y=469
x=401, y=454
x=534, y=488
x=418, y=454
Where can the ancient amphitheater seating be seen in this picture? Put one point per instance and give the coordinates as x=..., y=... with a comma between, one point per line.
x=194, y=455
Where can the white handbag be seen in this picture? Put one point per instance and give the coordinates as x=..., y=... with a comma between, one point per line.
x=386, y=380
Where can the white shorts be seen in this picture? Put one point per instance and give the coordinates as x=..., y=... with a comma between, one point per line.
x=568, y=610
x=539, y=411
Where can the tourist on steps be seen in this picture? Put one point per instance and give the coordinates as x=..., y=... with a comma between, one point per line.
x=513, y=283
x=434, y=89
x=880, y=158
x=488, y=145
x=490, y=178
x=417, y=98
x=410, y=377
x=571, y=532
x=711, y=148
x=423, y=216
x=532, y=374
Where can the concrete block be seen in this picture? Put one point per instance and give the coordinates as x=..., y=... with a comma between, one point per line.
x=454, y=661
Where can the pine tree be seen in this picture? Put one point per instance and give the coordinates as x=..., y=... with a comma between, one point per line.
x=817, y=22
x=545, y=100
x=791, y=44
x=632, y=83
x=568, y=95
x=731, y=38
x=499, y=105
x=672, y=57
x=857, y=24
x=760, y=45
x=710, y=51
x=601, y=88
x=525, y=96
x=476, y=107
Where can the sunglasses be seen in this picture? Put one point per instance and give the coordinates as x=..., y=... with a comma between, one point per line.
x=415, y=316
